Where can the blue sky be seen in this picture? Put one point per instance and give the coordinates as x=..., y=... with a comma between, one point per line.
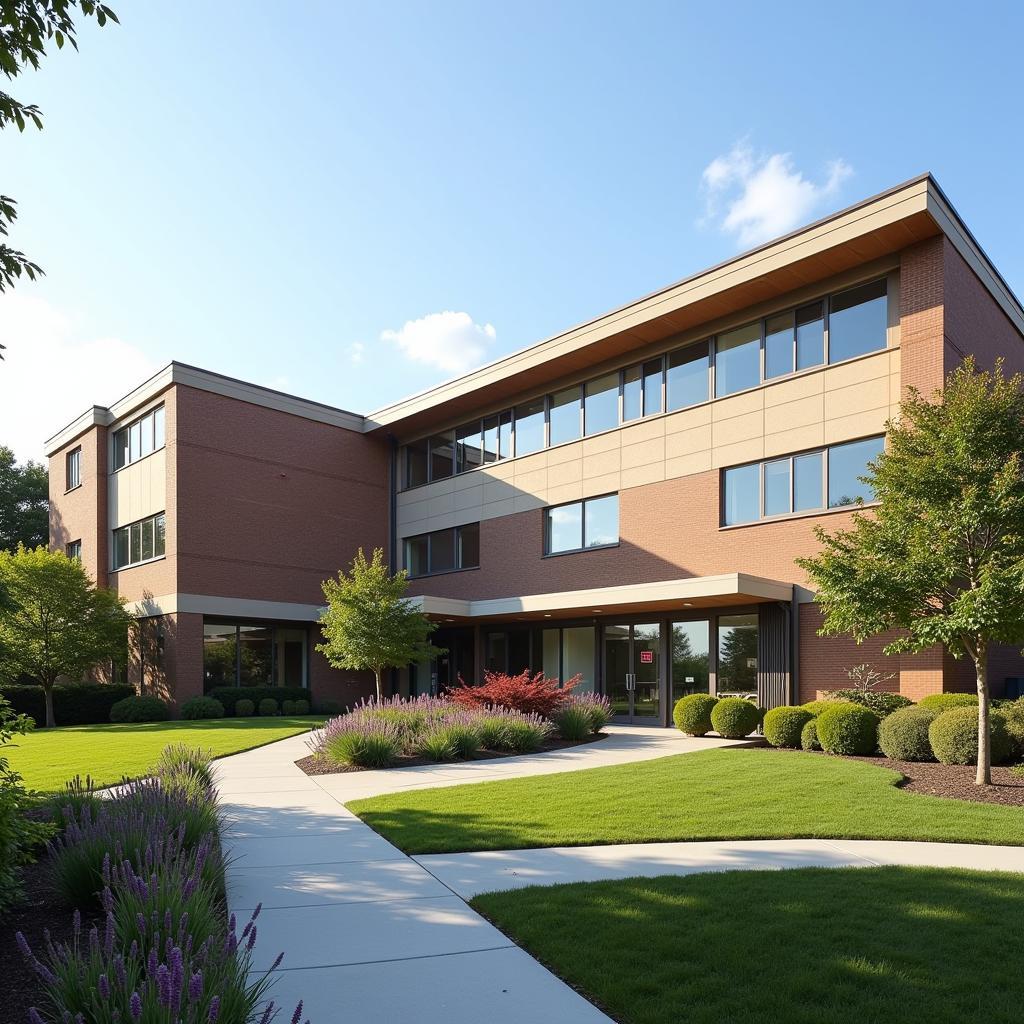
x=295, y=202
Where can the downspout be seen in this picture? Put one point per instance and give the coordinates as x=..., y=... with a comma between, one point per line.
x=794, y=649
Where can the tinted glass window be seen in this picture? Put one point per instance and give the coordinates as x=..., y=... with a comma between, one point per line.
x=469, y=546
x=601, y=521
x=505, y=435
x=632, y=405
x=120, y=449
x=134, y=441
x=742, y=494
x=530, y=427
x=160, y=535
x=468, y=447
x=776, y=488
x=857, y=322
x=121, y=549
x=416, y=463
x=778, y=345
x=601, y=405
x=490, y=439
x=416, y=561
x=565, y=415
x=135, y=542
x=442, y=451
x=847, y=462
x=810, y=335
x=807, y=482
x=737, y=655
x=652, y=386
x=147, y=539
x=738, y=360
x=564, y=528
x=442, y=551
x=158, y=427
x=687, y=378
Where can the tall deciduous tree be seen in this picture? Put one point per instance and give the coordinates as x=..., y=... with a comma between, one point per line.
x=369, y=624
x=24, y=502
x=60, y=622
x=941, y=557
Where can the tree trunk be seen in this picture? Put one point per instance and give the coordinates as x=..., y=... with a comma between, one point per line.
x=984, y=774
x=376, y=676
x=48, y=696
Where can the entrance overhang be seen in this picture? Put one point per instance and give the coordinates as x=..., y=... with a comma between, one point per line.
x=737, y=588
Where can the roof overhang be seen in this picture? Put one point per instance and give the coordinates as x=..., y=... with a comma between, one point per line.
x=736, y=588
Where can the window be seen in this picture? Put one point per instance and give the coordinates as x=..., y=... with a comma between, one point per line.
x=653, y=374
x=73, y=469
x=564, y=417
x=416, y=463
x=442, y=452
x=691, y=646
x=779, y=349
x=738, y=360
x=529, y=427
x=139, y=439
x=140, y=542
x=601, y=404
x=443, y=550
x=73, y=549
x=592, y=523
x=810, y=335
x=857, y=321
x=737, y=656
x=253, y=654
x=687, y=378
x=632, y=394
x=468, y=447
x=799, y=483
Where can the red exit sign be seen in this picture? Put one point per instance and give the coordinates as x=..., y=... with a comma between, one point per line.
x=647, y=657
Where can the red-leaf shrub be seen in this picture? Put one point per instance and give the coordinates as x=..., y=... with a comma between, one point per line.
x=532, y=694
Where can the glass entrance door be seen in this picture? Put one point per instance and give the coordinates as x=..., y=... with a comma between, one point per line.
x=632, y=672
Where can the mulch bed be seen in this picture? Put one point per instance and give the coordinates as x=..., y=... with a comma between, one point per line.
x=313, y=765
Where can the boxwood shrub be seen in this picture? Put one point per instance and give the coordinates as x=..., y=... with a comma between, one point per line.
x=817, y=706
x=809, y=736
x=230, y=695
x=202, y=707
x=244, y=708
x=848, y=729
x=783, y=726
x=1013, y=718
x=735, y=717
x=903, y=735
x=944, y=701
x=954, y=736
x=140, y=709
x=881, y=702
x=692, y=713
x=268, y=706
x=73, y=704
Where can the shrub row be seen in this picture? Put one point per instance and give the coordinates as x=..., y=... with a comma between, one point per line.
x=77, y=704
x=697, y=714
x=229, y=696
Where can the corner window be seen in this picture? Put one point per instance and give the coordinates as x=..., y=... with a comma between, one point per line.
x=73, y=469
x=73, y=549
x=847, y=463
x=857, y=322
x=579, y=525
x=443, y=551
x=139, y=439
x=140, y=542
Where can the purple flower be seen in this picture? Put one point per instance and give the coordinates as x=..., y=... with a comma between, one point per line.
x=135, y=1006
x=33, y=1016
x=23, y=945
x=297, y=1015
x=277, y=963
x=195, y=986
x=214, y=1009
x=268, y=1013
x=104, y=986
x=252, y=940
x=76, y=920
x=163, y=985
x=119, y=971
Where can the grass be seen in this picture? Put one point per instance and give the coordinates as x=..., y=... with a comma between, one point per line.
x=713, y=794
x=47, y=758
x=806, y=946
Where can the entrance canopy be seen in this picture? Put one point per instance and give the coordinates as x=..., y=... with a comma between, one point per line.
x=736, y=588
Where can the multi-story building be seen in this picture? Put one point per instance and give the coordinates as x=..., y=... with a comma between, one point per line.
x=623, y=501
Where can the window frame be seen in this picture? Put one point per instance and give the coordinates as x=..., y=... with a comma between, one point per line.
x=457, y=551
x=137, y=528
x=582, y=502
x=77, y=546
x=138, y=423
x=73, y=458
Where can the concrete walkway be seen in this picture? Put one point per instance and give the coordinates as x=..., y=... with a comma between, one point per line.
x=470, y=874
x=369, y=934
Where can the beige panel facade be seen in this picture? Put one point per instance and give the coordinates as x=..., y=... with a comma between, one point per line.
x=138, y=490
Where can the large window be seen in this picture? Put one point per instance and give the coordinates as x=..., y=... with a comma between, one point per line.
x=564, y=415
x=569, y=652
x=737, y=656
x=641, y=389
x=443, y=550
x=469, y=451
x=592, y=523
x=830, y=477
x=738, y=360
x=601, y=405
x=139, y=439
x=253, y=654
x=691, y=645
x=687, y=377
x=857, y=322
x=140, y=542
x=529, y=427
x=73, y=469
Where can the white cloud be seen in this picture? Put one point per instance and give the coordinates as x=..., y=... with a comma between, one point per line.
x=53, y=370
x=757, y=197
x=356, y=353
x=449, y=341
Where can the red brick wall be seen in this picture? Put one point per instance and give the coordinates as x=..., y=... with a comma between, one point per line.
x=922, y=316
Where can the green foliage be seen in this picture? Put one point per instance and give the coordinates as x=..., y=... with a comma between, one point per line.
x=903, y=735
x=437, y=745
x=77, y=704
x=848, y=729
x=783, y=726
x=954, y=737
x=62, y=625
x=369, y=624
x=143, y=708
x=202, y=707
x=809, y=736
x=230, y=696
x=573, y=722
x=815, y=707
x=734, y=717
x=244, y=707
x=692, y=713
x=182, y=760
x=365, y=748
x=79, y=794
x=24, y=502
x=1012, y=714
x=300, y=707
x=268, y=706
x=287, y=707
x=524, y=736
x=945, y=701
x=880, y=701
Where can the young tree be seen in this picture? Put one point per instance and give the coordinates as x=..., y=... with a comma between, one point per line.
x=61, y=623
x=24, y=502
x=941, y=558
x=369, y=624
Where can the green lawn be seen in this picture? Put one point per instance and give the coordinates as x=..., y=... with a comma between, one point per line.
x=713, y=794
x=807, y=946
x=47, y=758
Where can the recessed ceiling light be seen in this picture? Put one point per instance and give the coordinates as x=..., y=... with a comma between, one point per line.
x=687, y=604
x=547, y=615
x=597, y=611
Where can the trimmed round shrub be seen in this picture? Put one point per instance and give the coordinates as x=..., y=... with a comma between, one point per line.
x=944, y=701
x=244, y=708
x=202, y=707
x=954, y=736
x=692, y=713
x=848, y=729
x=300, y=707
x=817, y=706
x=140, y=709
x=882, y=702
x=287, y=707
x=268, y=706
x=809, y=736
x=903, y=735
x=783, y=726
x=1013, y=719
x=735, y=717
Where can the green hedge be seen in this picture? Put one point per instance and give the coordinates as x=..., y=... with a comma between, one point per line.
x=783, y=726
x=202, y=707
x=954, y=736
x=903, y=735
x=809, y=736
x=848, y=729
x=78, y=704
x=140, y=709
x=944, y=701
x=229, y=695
